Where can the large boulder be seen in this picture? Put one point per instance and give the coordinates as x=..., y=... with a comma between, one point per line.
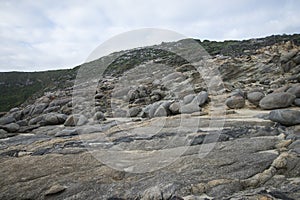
x=255, y=97
x=287, y=56
x=5, y=134
x=51, y=109
x=53, y=119
x=134, y=111
x=285, y=117
x=76, y=120
x=235, y=102
x=295, y=90
x=201, y=98
x=38, y=109
x=163, y=109
x=35, y=120
x=277, y=100
x=175, y=108
x=190, y=108
x=99, y=116
x=6, y=120
x=11, y=128
x=188, y=98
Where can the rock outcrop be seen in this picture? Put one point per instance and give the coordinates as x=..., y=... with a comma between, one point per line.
x=156, y=132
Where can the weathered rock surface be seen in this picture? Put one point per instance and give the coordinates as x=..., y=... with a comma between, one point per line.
x=277, y=100
x=255, y=97
x=75, y=120
x=154, y=133
x=285, y=117
x=235, y=102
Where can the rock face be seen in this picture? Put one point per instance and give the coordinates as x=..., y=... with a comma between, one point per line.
x=277, y=100
x=285, y=117
x=235, y=102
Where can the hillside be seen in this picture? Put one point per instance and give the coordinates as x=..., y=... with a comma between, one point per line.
x=20, y=87
x=157, y=127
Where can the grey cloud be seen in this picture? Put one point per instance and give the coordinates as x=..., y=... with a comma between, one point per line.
x=41, y=35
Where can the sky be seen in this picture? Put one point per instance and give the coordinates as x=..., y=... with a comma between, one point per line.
x=59, y=34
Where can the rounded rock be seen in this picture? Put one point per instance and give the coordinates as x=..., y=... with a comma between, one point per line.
x=285, y=117
x=235, y=102
x=277, y=100
x=255, y=97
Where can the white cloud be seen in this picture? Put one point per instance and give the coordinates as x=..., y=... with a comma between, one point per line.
x=41, y=35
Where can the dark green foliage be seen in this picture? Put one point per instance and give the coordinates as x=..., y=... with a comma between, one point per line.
x=16, y=87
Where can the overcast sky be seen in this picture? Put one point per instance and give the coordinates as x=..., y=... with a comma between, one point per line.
x=56, y=34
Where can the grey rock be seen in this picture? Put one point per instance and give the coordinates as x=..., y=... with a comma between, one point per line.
x=134, y=111
x=5, y=134
x=160, y=112
x=99, y=116
x=276, y=100
x=153, y=107
x=201, y=98
x=54, y=119
x=255, y=97
x=76, y=120
x=132, y=95
x=297, y=102
x=172, y=76
x=295, y=90
x=14, y=110
x=158, y=93
x=26, y=111
x=152, y=193
x=6, y=120
x=23, y=122
x=51, y=109
x=99, y=96
x=66, y=132
x=35, y=120
x=285, y=117
x=238, y=92
x=119, y=113
x=188, y=98
x=17, y=115
x=163, y=109
x=175, y=108
x=55, y=189
x=59, y=102
x=11, y=128
x=38, y=109
x=296, y=59
x=288, y=56
x=190, y=108
x=235, y=102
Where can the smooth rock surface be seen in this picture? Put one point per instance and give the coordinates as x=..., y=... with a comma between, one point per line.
x=235, y=102
x=285, y=117
x=277, y=100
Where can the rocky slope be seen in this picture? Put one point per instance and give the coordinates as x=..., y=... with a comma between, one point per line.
x=159, y=127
